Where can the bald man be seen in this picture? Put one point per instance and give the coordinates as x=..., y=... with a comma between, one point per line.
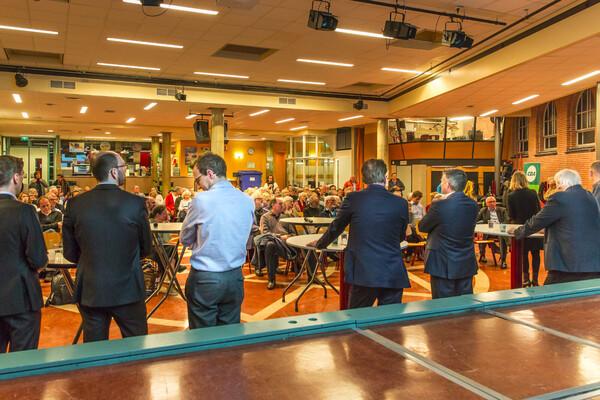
x=497, y=215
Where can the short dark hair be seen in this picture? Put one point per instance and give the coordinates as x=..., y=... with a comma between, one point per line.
x=211, y=161
x=418, y=194
x=595, y=167
x=9, y=166
x=273, y=201
x=373, y=171
x=157, y=210
x=102, y=163
x=61, y=175
x=457, y=179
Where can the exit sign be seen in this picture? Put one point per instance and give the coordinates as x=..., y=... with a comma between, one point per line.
x=24, y=138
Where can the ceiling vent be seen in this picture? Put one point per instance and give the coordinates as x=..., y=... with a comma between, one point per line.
x=365, y=85
x=247, y=53
x=109, y=111
x=72, y=98
x=287, y=100
x=30, y=56
x=55, y=84
x=166, y=92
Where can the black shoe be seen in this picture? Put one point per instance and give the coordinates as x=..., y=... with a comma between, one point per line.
x=503, y=266
x=483, y=259
x=271, y=285
x=182, y=268
x=279, y=271
x=535, y=283
x=258, y=272
x=526, y=283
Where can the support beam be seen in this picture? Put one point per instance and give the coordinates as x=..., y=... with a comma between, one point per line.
x=217, y=132
x=166, y=163
x=154, y=152
x=383, y=148
x=597, y=128
x=270, y=158
x=498, y=122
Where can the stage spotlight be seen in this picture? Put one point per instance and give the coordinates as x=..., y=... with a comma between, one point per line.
x=399, y=29
x=180, y=96
x=322, y=20
x=20, y=80
x=456, y=38
x=152, y=3
x=359, y=105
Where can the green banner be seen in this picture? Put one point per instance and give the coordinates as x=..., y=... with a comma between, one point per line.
x=532, y=172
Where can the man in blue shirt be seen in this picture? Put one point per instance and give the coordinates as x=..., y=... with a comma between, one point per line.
x=216, y=229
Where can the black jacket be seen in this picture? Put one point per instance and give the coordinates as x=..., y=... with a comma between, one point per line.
x=572, y=236
x=378, y=221
x=450, y=223
x=522, y=205
x=50, y=221
x=484, y=215
x=106, y=232
x=22, y=253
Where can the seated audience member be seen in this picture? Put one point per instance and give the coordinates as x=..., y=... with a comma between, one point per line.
x=51, y=220
x=150, y=204
x=54, y=204
x=332, y=188
x=330, y=210
x=170, y=201
x=290, y=210
x=417, y=209
x=276, y=192
x=259, y=210
x=160, y=215
x=33, y=194
x=136, y=191
x=498, y=215
x=24, y=198
x=313, y=209
x=156, y=196
x=340, y=193
x=301, y=202
x=185, y=201
x=86, y=189
x=435, y=196
x=293, y=192
x=62, y=183
x=412, y=236
x=568, y=257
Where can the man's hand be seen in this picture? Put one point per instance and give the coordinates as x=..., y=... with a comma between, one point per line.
x=480, y=236
x=284, y=237
x=312, y=244
x=511, y=231
x=59, y=225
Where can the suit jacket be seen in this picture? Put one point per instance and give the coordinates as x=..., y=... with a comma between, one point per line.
x=596, y=192
x=106, y=232
x=450, y=223
x=572, y=235
x=22, y=253
x=484, y=215
x=378, y=221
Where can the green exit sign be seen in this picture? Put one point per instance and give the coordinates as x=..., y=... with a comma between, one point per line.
x=24, y=138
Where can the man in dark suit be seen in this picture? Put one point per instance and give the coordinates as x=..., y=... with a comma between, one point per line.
x=595, y=175
x=449, y=252
x=22, y=253
x=106, y=232
x=498, y=215
x=373, y=260
x=572, y=231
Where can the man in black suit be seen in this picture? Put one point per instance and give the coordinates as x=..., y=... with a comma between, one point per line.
x=106, y=232
x=22, y=253
x=449, y=252
x=595, y=175
x=498, y=215
x=572, y=231
x=373, y=260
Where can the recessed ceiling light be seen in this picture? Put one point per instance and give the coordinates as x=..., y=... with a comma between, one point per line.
x=83, y=110
x=298, y=128
x=148, y=139
x=17, y=98
x=191, y=116
x=354, y=117
x=16, y=28
x=337, y=64
x=108, y=133
x=263, y=138
x=259, y=112
x=459, y=118
x=160, y=134
x=223, y=75
x=488, y=113
x=581, y=78
x=179, y=8
x=173, y=46
x=25, y=115
x=361, y=33
x=285, y=120
x=526, y=98
x=50, y=131
x=149, y=106
x=130, y=120
x=128, y=66
x=408, y=71
x=303, y=82
x=99, y=137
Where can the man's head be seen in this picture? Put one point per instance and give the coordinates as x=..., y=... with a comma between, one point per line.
x=258, y=199
x=108, y=166
x=566, y=178
x=11, y=174
x=209, y=169
x=270, y=179
x=59, y=177
x=53, y=189
x=177, y=190
x=160, y=214
x=595, y=171
x=53, y=200
x=32, y=193
x=276, y=205
x=373, y=171
x=289, y=202
x=453, y=180
x=150, y=203
x=313, y=200
x=37, y=175
x=417, y=196
x=394, y=176
x=86, y=189
x=490, y=202
x=44, y=205
x=324, y=189
x=329, y=202
x=353, y=178
x=136, y=189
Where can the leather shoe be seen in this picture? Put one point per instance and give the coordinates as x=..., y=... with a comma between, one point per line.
x=182, y=268
x=483, y=259
x=503, y=266
x=271, y=285
x=279, y=271
x=258, y=272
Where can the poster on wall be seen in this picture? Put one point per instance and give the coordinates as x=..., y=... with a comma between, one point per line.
x=532, y=172
x=190, y=154
x=76, y=147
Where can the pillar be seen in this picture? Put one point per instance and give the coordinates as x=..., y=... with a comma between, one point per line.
x=166, y=163
x=597, y=114
x=154, y=152
x=383, y=150
x=270, y=159
x=497, y=153
x=217, y=132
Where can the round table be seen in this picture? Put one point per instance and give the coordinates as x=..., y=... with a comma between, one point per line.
x=317, y=222
x=516, y=255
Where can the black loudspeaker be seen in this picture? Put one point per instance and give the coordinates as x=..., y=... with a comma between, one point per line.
x=225, y=132
x=201, y=131
x=402, y=125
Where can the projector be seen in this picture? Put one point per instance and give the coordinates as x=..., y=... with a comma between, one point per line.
x=181, y=96
x=457, y=39
x=399, y=30
x=322, y=21
x=152, y=3
x=359, y=105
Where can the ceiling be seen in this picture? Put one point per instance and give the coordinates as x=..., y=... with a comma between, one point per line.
x=83, y=27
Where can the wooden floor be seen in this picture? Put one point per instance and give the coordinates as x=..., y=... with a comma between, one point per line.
x=60, y=323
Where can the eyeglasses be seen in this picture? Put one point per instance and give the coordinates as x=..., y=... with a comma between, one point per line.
x=121, y=166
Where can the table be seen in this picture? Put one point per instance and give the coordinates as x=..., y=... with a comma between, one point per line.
x=169, y=270
x=301, y=243
x=317, y=222
x=516, y=255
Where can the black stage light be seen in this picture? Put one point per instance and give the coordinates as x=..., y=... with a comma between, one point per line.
x=181, y=96
x=322, y=20
x=20, y=80
x=399, y=30
x=457, y=39
x=359, y=105
x=152, y=3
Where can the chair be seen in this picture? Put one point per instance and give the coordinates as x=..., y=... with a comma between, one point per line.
x=52, y=240
x=492, y=248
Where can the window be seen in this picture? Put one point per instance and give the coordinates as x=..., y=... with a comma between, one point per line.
x=523, y=130
x=344, y=139
x=550, y=127
x=585, y=119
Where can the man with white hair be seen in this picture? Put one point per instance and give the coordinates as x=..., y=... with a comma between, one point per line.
x=330, y=210
x=572, y=231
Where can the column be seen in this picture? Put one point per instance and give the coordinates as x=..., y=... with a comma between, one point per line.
x=597, y=114
x=383, y=150
x=166, y=163
x=270, y=159
x=497, y=153
x=217, y=132
x=154, y=152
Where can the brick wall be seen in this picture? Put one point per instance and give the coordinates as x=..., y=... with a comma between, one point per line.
x=567, y=153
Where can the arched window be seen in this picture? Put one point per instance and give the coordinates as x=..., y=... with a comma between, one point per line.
x=550, y=127
x=523, y=129
x=585, y=119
